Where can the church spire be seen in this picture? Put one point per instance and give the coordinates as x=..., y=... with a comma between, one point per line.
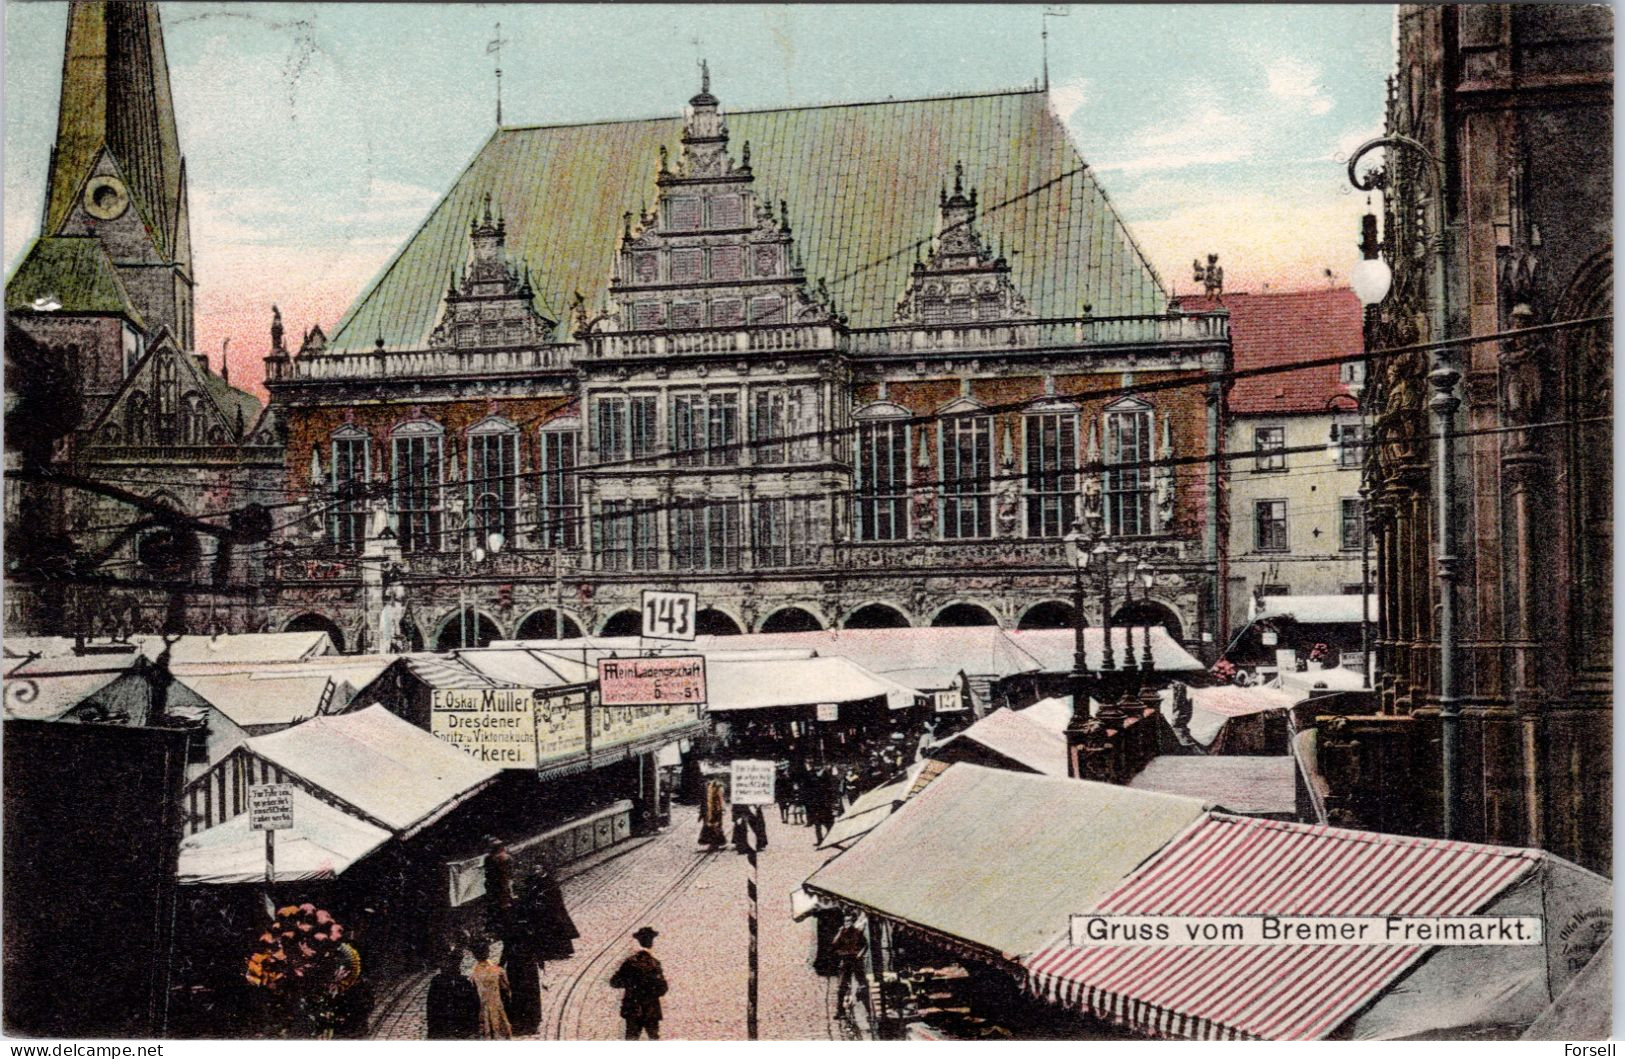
x=116, y=163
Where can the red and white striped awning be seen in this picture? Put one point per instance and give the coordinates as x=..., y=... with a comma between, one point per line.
x=1230, y=865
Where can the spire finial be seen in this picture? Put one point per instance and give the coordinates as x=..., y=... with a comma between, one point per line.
x=744, y=159
x=705, y=78
x=959, y=178
x=487, y=209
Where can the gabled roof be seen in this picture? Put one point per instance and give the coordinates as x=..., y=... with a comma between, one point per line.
x=1001, y=859
x=1018, y=739
x=1272, y=329
x=76, y=273
x=388, y=770
x=861, y=182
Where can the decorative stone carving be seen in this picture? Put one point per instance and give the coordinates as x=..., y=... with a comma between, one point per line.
x=962, y=280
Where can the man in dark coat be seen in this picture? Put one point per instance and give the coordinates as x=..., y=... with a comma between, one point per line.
x=454, y=1003
x=642, y=982
x=499, y=894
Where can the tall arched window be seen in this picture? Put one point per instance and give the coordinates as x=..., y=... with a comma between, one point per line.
x=138, y=419
x=168, y=399
x=1128, y=489
x=881, y=466
x=1051, y=460
x=416, y=469
x=192, y=419
x=493, y=467
x=351, y=469
x=966, y=459
x=559, y=511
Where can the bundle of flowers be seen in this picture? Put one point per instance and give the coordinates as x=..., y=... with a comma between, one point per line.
x=301, y=948
x=1225, y=670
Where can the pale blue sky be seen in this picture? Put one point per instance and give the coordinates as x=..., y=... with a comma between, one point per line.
x=318, y=136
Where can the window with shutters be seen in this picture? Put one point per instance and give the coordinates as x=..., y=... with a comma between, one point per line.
x=1350, y=444
x=727, y=262
x=687, y=314
x=881, y=471
x=727, y=211
x=688, y=265
x=1128, y=488
x=684, y=213
x=782, y=533
x=560, y=510
x=647, y=316
x=727, y=312
x=688, y=429
x=967, y=466
x=642, y=417
x=609, y=428
x=493, y=483
x=350, y=470
x=626, y=535
x=767, y=310
x=705, y=534
x=1052, y=482
x=415, y=470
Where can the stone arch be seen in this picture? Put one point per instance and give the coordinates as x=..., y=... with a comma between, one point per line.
x=1047, y=614
x=1150, y=612
x=714, y=621
x=312, y=622
x=539, y=625
x=622, y=623
x=792, y=619
x=482, y=630
x=877, y=616
x=963, y=615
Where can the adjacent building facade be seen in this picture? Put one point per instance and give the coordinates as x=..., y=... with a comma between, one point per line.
x=845, y=366
x=1297, y=445
x=1514, y=105
x=102, y=379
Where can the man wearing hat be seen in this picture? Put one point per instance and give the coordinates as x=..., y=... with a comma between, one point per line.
x=499, y=891
x=642, y=982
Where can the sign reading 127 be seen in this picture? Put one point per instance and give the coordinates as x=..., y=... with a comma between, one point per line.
x=669, y=615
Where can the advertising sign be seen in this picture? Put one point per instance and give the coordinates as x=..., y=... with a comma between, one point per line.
x=561, y=724
x=495, y=725
x=651, y=681
x=614, y=726
x=270, y=806
x=669, y=615
x=751, y=782
x=829, y=711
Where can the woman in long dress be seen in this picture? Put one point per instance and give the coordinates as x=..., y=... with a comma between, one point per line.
x=492, y=983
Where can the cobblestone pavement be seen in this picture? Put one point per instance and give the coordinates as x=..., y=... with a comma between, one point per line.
x=698, y=903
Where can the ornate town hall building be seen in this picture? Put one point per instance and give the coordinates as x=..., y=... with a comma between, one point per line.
x=842, y=366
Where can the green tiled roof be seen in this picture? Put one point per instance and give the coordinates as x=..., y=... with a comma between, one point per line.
x=861, y=181
x=74, y=271
x=232, y=400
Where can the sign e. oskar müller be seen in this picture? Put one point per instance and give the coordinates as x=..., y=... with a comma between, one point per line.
x=495, y=725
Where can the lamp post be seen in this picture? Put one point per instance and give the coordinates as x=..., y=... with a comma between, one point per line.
x=1148, y=576
x=472, y=558
x=1077, y=554
x=1443, y=376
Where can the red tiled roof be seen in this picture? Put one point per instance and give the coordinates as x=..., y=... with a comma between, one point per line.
x=1284, y=328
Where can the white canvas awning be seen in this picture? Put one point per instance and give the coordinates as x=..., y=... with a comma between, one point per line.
x=737, y=684
x=1315, y=610
x=390, y=770
x=323, y=842
x=1056, y=649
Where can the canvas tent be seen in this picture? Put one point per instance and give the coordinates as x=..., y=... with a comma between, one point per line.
x=1231, y=865
x=1007, y=739
x=323, y=842
x=993, y=860
x=1247, y=785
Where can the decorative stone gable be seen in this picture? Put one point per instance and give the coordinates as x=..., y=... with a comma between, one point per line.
x=494, y=305
x=712, y=253
x=962, y=281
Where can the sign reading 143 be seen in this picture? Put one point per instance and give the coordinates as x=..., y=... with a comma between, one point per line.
x=669, y=615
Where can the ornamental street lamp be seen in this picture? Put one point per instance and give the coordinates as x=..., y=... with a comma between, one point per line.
x=1443, y=377
x=469, y=560
x=1077, y=553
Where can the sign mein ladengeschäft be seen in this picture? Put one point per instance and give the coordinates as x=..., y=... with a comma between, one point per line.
x=495, y=725
x=678, y=679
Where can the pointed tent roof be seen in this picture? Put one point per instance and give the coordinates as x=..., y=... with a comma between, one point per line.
x=115, y=93
x=861, y=182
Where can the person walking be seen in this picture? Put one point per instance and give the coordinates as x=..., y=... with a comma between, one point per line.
x=758, y=825
x=642, y=982
x=821, y=796
x=711, y=817
x=741, y=829
x=454, y=1003
x=542, y=931
x=499, y=895
x=492, y=983
x=849, y=946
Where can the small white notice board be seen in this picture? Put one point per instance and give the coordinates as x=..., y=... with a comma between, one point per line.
x=751, y=782
x=270, y=806
x=829, y=711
